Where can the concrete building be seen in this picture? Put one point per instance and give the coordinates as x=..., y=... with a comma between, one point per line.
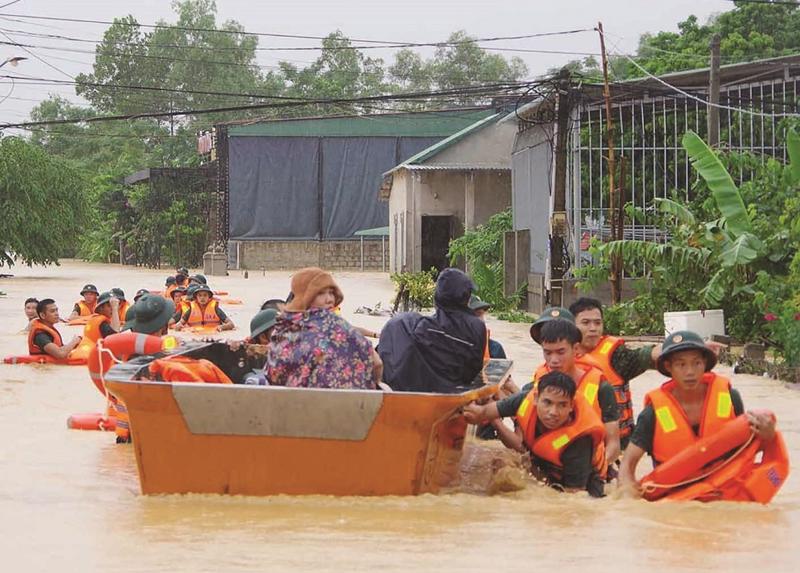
x=453, y=185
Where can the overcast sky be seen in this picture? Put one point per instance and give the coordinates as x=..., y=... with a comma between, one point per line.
x=401, y=21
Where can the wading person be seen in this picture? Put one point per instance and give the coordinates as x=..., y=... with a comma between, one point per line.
x=439, y=353
x=562, y=432
x=85, y=307
x=204, y=310
x=105, y=320
x=30, y=311
x=119, y=294
x=695, y=403
x=261, y=327
x=311, y=346
x=43, y=338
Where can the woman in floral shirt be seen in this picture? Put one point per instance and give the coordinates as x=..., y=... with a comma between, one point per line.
x=315, y=348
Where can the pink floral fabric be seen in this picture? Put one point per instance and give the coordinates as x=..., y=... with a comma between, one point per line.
x=318, y=349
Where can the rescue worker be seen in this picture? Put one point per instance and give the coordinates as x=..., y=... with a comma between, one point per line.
x=181, y=303
x=30, y=311
x=563, y=433
x=480, y=308
x=182, y=277
x=86, y=306
x=693, y=404
x=43, y=338
x=170, y=285
x=619, y=363
x=198, y=280
x=560, y=341
x=106, y=318
x=205, y=311
x=139, y=294
x=149, y=315
x=119, y=294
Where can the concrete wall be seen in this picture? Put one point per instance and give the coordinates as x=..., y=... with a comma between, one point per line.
x=332, y=255
x=537, y=294
x=470, y=196
x=488, y=147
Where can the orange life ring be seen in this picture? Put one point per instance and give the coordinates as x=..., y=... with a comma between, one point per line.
x=122, y=345
x=231, y=301
x=210, y=329
x=95, y=421
x=703, y=473
x=79, y=321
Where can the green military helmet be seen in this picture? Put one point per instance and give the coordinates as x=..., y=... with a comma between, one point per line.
x=684, y=340
x=103, y=299
x=191, y=290
x=150, y=314
x=89, y=288
x=548, y=314
x=199, y=279
x=263, y=321
x=118, y=292
x=203, y=288
x=475, y=303
x=139, y=293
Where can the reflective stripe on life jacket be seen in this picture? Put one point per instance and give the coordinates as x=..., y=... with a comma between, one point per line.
x=673, y=432
x=204, y=316
x=37, y=326
x=185, y=369
x=600, y=358
x=549, y=446
x=84, y=307
x=588, y=387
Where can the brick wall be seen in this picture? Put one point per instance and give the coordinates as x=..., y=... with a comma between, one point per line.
x=332, y=255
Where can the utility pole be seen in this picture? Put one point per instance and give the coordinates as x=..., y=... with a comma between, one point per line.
x=558, y=223
x=713, y=93
x=615, y=205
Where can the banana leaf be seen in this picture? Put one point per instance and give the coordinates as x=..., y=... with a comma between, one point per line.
x=744, y=249
x=724, y=190
x=677, y=210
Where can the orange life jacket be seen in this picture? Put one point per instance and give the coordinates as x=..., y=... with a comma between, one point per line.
x=168, y=291
x=86, y=310
x=673, y=432
x=486, y=355
x=92, y=329
x=551, y=444
x=37, y=326
x=204, y=316
x=185, y=369
x=600, y=358
x=588, y=387
x=123, y=310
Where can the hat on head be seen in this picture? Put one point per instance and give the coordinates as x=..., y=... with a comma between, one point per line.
x=169, y=281
x=203, y=288
x=548, y=314
x=307, y=284
x=475, y=303
x=103, y=299
x=262, y=321
x=150, y=314
x=139, y=293
x=129, y=315
x=183, y=271
x=89, y=288
x=190, y=290
x=180, y=289
x=684, y=340
x=201, y=279
x=118, y=292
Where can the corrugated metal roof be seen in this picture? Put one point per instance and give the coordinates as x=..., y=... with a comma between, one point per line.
x=456, y=167
x=412, y=124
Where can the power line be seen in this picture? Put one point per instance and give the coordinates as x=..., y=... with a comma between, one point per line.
x=45, y=62
x=9, y=4
x=492, y=89
x=778, y=2
x=379, y=43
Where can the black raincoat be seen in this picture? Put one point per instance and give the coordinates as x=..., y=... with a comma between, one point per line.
x=439, y=353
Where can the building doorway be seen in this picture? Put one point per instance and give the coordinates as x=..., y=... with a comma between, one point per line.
x=437, y=231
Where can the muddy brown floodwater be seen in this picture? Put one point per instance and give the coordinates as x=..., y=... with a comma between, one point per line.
x=69, y=500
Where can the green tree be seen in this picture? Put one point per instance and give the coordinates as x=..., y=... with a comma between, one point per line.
x=42, y=201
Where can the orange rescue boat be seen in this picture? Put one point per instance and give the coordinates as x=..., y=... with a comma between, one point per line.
x=268, y=440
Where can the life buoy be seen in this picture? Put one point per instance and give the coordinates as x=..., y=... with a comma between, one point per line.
x=703, y=473
x=122, y=345
x=231, y=301
x=94, y=421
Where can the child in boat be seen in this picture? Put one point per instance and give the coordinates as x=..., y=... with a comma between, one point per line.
x=694, y=403
x=313, y=347
x=86, y=306
x=261, y=327
x=30, y=311
x=43, y=338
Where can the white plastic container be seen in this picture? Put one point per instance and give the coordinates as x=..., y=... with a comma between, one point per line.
x=703, y=322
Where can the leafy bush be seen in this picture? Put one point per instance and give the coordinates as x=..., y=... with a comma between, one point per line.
x=414, y=291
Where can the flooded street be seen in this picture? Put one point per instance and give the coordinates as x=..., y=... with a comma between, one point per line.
x=70, y=500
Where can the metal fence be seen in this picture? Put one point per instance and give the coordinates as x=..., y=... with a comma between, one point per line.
x=649, y=124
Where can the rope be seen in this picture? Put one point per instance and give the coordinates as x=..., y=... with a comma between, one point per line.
x=650, y=486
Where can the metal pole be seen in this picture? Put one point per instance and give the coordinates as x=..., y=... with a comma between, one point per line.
x=383, y=253
x=613, y=192
x=713, y=93
x=362, y=252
